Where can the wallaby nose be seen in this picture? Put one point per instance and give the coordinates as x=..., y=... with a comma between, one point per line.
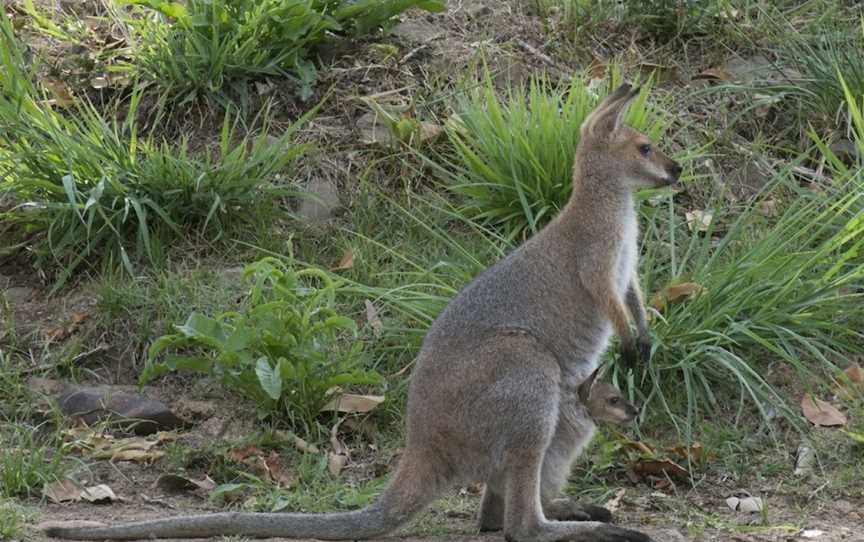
x=675, y=171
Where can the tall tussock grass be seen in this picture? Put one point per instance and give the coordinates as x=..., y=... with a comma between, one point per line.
x=513, y=156
x=92, y=188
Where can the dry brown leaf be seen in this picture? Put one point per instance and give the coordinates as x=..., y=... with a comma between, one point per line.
x=821, y=413
x=98, y=494
x=768, y=207
x=695, y=453
x=336, y=462
x=660, y=467
x=143, y=456
x=675, y=294
x=614, y=503
x=698, y=220
x=641, y=447
x=337, y=458
x=65, y=490
x=430, y=131
x=241, y=455
x=714, y=74
x=63, y=96
x=855, y=374
x=373, y=318
x=351, y=403
x=298, y=442
x=277, y=472
x=58, y=333
x=79, y=317
x=346, y=262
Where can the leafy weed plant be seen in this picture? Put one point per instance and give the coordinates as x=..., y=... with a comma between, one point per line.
x=285, y=349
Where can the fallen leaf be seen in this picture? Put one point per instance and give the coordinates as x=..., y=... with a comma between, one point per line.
x=855, y=374
x=745, y=504
x=614, y=503
x=351, y=403
x=768, y=207
x=714, y=74
x=660, y=467
x=430, y=131
x=811, y=533
x=695, y=453
x=337, y=458
x=63, y=96
x=80, y=317
x=240, y=455
x=660, y=73
x=821, y=413
x=98, y=494
x=675, y=293
x=65, y=490
x=298, y=442
x=804, y=460
x=277, y=472
x=373, y=318
x=335, y=463
x=101, y=446
x=347, y=261
x=59, y=333
x=698, y=220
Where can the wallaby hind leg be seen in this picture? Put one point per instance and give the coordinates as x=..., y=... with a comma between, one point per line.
x=572, y=433
x=491, y=516
x=525, y=450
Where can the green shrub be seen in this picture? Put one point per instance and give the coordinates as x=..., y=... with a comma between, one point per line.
x=213, y=43
x=513, y=157
x=100, y=191
x=284, y=349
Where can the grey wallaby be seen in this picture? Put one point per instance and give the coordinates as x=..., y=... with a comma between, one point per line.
x=492, y=395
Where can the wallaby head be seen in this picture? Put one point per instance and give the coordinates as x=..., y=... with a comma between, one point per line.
x=605, y=402
x=611, y=152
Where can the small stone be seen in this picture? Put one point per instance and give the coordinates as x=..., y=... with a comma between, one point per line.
x=320, y=202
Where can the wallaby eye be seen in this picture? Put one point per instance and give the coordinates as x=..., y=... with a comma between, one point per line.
x=613, y=400
x=645, y=150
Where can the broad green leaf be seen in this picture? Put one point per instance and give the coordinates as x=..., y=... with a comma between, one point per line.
x=204, y=328
x=270, y=380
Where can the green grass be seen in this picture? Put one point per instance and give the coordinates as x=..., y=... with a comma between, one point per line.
x=12, y=519
x=28, y=461
x=98, y=190
x=513, y=156
x=215, y=47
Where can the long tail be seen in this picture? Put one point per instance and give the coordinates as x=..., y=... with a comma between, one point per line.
x=413, y=487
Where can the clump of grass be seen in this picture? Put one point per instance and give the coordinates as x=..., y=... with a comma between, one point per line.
x=27, y=463
x=12, y=519
x=513, y=158
x=202, y=46
x=100, y=191
x=661, y=19
x=811, y=60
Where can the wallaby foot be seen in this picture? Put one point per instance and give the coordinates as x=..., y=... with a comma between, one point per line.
x=566, y=509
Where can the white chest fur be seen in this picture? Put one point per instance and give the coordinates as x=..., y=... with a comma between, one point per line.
x=627, y=254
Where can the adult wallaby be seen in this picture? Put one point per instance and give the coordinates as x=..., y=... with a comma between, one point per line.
x=490, y=390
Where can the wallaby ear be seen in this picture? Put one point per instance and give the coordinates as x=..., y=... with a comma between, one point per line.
x=609, y=115
x=584, y=390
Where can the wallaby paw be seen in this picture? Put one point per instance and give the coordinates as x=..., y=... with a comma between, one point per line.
x=643, y=349
x=609, y=533
x=629, y=356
